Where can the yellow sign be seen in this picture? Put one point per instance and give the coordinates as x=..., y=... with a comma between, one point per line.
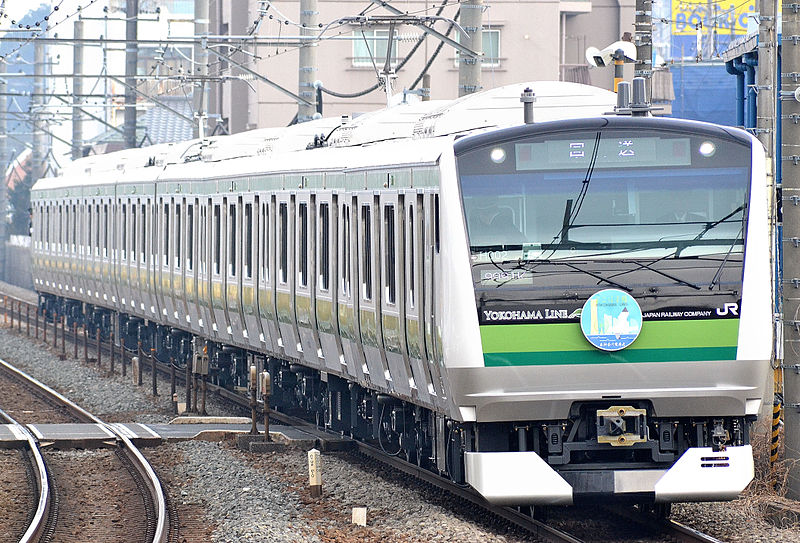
x=728, y=17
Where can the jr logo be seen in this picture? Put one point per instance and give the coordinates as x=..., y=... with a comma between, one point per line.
x=730, y=307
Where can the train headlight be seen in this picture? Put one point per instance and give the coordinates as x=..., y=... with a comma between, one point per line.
x=707, y=149
x=498, y=155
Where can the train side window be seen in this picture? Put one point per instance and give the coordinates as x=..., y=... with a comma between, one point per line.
x=134, y=246
x=232, y=226
x=89, y=230
x=283, y=213
x=324, y=256
x=436, y=221
x=74, y=239
x=390, y=278
x=124, y=243
x=303, y=218
x=105, y=230
x=264, y=241
x=167, y=234
x=47, y=228
x=248, y=244
x=97, y=230
x=202, y=244
x=412, y=261
x=345, y=260
x=189, y=237
x=366, y=252
x=178, y=236
x=217, y=240
x=143, y=244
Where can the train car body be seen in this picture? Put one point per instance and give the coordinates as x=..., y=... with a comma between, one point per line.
x=568, y=310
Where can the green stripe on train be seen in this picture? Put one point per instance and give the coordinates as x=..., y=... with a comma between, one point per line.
x=563, y=343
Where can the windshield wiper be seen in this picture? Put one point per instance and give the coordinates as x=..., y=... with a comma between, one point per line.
x=718, y=273
x=714, y=224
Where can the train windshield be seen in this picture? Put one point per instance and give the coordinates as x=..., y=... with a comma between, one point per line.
x=606, y=194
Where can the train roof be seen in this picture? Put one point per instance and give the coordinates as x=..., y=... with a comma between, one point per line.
x=411, y=121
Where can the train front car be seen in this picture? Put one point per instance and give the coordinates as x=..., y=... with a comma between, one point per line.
x=621, y=275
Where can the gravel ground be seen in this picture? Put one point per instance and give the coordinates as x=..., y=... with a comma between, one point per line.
x=225, y=495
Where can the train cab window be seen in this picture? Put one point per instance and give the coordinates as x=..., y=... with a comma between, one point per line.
x=248, y=241
x=303, y=257
x=189, y=237
x=232, y=226
x=283, y=266
x=124, y=244
x=345, y=260
x=134, y=239
x=390, y=278
x=217, y=240
x=412, y=261
x=366, y=252
x=264, y=241
x=324, y=254
x=177, y=236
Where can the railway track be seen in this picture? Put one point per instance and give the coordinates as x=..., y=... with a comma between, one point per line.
x=78, y=488
x=20, y=315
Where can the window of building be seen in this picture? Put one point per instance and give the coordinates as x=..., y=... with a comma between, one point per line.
x=491, y=48
x=372, y=46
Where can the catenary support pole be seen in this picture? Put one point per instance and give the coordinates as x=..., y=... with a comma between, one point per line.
x=791, y=230
x=77, y=91
x=200, y=68
x=643, y=38
x=37, y=101
x=469, y=69
x=131, y=58
x=307, y=64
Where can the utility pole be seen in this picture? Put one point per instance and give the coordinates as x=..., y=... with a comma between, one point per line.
x=643, y=38
x=469, y=69
x=131, y=58
x=790, y=149
x=308, y=61
x=77, y=91
x=200, y=66
x=37, y=101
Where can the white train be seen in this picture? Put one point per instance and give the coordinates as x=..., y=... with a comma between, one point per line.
x=569, y=310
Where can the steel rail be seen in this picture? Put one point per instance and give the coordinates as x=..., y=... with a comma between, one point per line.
x=671, y=528
x=139, y=462
x=39, y=521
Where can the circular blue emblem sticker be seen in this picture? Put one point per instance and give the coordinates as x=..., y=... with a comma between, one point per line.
x=611, y=319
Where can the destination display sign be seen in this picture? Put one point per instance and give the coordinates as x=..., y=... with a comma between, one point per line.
x=612, y=152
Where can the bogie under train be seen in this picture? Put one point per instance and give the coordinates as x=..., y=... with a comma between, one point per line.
x=569, y=310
